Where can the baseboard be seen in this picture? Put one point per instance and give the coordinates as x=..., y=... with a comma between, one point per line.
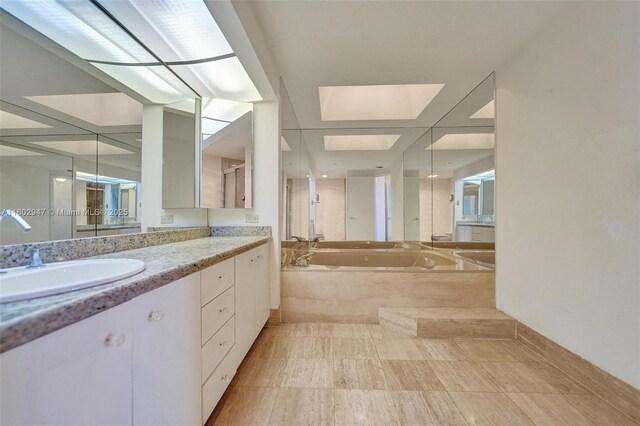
x=274, y=317
x=616, y=392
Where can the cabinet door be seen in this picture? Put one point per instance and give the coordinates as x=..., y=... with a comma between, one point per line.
x=262, y=304
x=245, y=318
x=79, y=375
x=166, y=355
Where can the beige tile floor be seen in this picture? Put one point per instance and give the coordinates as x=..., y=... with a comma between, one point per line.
x=355, y=374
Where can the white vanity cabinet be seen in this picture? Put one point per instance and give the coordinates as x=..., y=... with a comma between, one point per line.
x=163, y=358
x=475, y=233
x=166, y=354
x=252, y=297
x=78, y=375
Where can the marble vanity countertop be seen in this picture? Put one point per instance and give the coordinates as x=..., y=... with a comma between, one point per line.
x=486, y=225
x=27, y=320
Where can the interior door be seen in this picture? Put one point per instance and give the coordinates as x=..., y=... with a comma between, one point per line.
x=361, y=221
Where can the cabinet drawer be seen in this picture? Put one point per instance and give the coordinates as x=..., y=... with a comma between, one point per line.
x=216, y=313
x=213, y=388
x=217, y=347
x=216, y=279
x=476, y=230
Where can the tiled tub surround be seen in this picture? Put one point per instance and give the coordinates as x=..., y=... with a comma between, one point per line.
x=24, y=321
x=62, y=250
x=348, y=374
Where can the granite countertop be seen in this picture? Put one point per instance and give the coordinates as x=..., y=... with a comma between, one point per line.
x=487, y=225
x=27, y=320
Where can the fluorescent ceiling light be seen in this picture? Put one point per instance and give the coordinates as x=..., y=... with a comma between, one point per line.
x=84, y=147
x=175, y=30
x=9, y=151
x=211, y=127
x=223, y=79
x=155, y=83
x=432, y=176
x=325, y=176
x=464, y=141
x=100, y=109
x=221, y=109
x=80, y=27
x=380, y=102
x=284, y=146
x=487, y=111
x=359, y=142
x=12, y=121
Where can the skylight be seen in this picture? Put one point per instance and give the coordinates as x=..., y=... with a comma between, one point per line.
x=84, y=147
x=464, y=141
x=359, y=142
x=13, y=121
x=487, y=111
x=226, y=110
x=380, y=102
x=100, y=109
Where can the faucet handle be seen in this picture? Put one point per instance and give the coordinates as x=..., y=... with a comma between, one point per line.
x=35, y=260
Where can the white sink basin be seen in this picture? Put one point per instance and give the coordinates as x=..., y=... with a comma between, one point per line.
x=53, y=278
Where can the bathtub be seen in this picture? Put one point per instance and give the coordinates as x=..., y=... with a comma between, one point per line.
x=349, y=285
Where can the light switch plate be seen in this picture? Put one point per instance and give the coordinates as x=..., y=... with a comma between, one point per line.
x=166, y=219
x=252, y=218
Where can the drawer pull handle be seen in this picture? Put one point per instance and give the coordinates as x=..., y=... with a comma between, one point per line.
x=221, y=277
x=223, y=310
x=114, y=340
x=225, y=378
x=223, y=344
x=155, y=316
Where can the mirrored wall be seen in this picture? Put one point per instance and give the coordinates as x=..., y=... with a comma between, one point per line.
x=417, y=184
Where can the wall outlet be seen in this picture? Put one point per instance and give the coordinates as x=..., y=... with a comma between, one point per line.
x=166, y=219
x=251, y=218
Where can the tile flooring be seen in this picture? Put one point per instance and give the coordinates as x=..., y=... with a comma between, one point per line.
x=361, y=374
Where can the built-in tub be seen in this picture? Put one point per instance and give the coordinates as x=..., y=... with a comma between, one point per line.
x=349, y=285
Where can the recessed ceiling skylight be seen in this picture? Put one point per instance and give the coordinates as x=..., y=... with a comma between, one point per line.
x=359, y=142
x=211, y=127
x=380, y=102
x=284, y=146
x=9, y=151
x=487, y=111
x=464, y=141
x=12, y=121
x=84, y=147
x=100, y=109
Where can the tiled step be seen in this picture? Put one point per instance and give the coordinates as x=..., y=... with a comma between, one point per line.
x=447, y=323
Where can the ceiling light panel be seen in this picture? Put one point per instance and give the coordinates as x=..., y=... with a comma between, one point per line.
x=487, y=111
x=222, y=79
x=464, y=141
x=359, y=142
x=13, y=121
x=380, y=102
x=211, y=127
x=175, y=30
x=80, y=27
x=221, y=109
x=100, y=109
x=155, y=83
x=84, y=147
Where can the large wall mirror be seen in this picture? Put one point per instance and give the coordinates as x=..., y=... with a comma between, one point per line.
x=70, y=147
x=450, y=174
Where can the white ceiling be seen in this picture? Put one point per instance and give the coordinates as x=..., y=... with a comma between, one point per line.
x=322, y=43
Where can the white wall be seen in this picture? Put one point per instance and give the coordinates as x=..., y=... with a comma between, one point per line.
x=440, y=210
x=330, y=213
x=266, y=191
x=568, y=198
x=300, y=207
x=361, y=220
x=151, y=177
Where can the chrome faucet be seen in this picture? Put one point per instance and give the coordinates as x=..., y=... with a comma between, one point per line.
x=35, y=260
x=298, y=239
x=16, y=219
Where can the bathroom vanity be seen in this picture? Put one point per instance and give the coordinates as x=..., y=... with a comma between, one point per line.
x=163, y=356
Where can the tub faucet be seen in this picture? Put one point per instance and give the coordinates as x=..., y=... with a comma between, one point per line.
x=298, y=239
x=16, y=219
x=301, y=259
